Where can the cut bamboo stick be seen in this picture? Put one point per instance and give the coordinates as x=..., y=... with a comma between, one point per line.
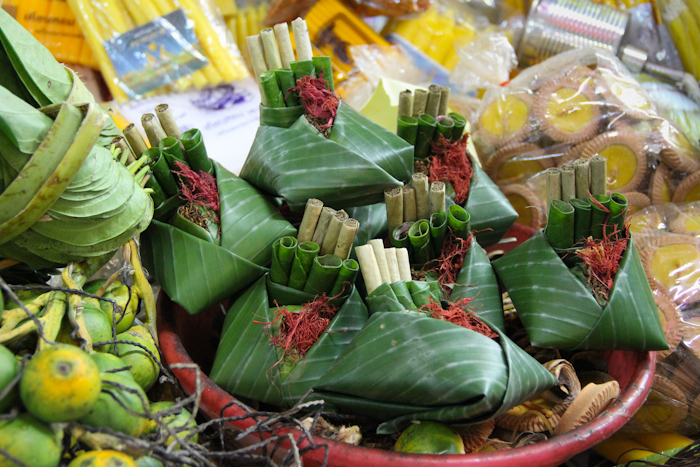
x=404, y=264
x=393, y=263
x=345, y=238
x=308, y=222
x=368, y=267
x=422, y=187
x=409, y=203
x=380, y=255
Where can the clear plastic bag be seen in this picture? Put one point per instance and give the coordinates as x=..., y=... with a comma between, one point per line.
x=668, y=237
x=154, y=45
x=576, y=105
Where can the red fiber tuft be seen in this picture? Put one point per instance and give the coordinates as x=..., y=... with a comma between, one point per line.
x=601, y=259
x=320, y=103
x=450, y=162
x=299, y=331
x=456, y=313
x=198, y=187
x=454, y=249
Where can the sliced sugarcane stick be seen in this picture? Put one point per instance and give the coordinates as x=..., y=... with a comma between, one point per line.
x=333, y=231
x=132, y=135
x=380, y=255
x=404, y=264
x=345, y=238
x=324, y=220
x=444, y=100
x=405, y=98
x=568, y=182
x=368, y=267
x=437, y=197
x=153, y=130
x=422, y=186
x=599, y=175
x=257, y=58
x=285, y=44
x=393, y=263
x=167, y=120
x=301, y=40
x=433, y=104
x=553, y=184
x=409, y=203
x=582, y=178
x=393, y=198
x=272, y=53
x=308, y=223
x=420, y=100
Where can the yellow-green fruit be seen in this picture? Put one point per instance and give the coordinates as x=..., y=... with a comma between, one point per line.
x=8, y=371
x=108, y=362
x=106, y=458
x=98, y=326
x=144, y=369
x=429, y=438
x=176, y=421
x=60, y=383
x=127, y=303
x=120, y=401
x=30, y=441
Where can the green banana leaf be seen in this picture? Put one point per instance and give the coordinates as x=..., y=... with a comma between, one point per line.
x=402, y=296
x=478, y=281
x=491, y=212
x=247, y=365
x=350, y=168
x=197, y=274
x=559, y=311
x=406, y=366
x=373, y=223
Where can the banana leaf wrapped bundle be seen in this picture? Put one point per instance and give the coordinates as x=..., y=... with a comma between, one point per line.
x=406, y=366
x=252, y=362
x=57, y=173
x=200, y=266
x=346, y=160
x=563, y=308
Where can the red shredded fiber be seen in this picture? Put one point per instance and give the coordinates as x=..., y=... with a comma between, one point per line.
x=601, y=259
x=450, y=162
x=299, y=331
x=456, y=313
x=198, y=187
x=454, y=249
x=320, y=103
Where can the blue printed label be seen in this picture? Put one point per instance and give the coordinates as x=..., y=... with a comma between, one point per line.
x=156, y=53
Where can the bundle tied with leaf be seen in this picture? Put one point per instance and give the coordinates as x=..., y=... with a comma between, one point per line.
x=285, y=331
x=440, y=152
x=310, y=144
x=212, y=232
x=579, y=284
x=58, y=170
x=475, y=371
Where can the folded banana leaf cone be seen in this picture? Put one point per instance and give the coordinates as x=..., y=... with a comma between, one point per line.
x=57, y=175
x=470, y=187
x=462, y=272
x=197, y=269
x=406, y=366
x=248, y=363
x=343, y=159
x=559, y=309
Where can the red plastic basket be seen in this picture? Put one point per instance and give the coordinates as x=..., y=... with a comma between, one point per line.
x=186, y=339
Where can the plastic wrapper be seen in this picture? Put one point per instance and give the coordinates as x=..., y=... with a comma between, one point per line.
x=668, y=237
x=150, y=46
x=580, y=104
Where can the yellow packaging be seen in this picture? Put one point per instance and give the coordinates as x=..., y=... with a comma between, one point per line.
x=53, y=24
x=333, y=29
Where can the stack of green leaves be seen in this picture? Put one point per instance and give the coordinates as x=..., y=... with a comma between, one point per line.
x=248, y=365
x=406, y=366
x=586, y=295
x=57, y=173
x=300, y=267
